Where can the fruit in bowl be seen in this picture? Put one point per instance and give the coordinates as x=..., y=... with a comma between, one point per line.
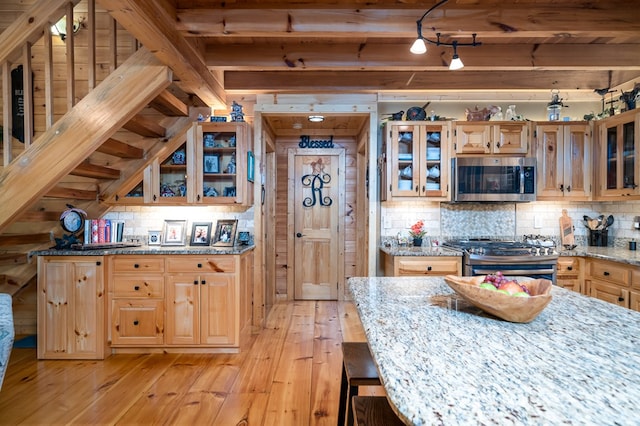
x=502, y=296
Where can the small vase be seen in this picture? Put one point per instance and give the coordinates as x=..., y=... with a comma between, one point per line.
x=417, y=242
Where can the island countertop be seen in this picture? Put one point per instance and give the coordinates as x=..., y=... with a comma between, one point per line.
x=576, y=363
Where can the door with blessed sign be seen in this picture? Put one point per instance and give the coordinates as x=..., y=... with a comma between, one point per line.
x=317, y=190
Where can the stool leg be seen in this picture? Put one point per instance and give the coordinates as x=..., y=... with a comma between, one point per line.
x=353, y=391
x=343, y=397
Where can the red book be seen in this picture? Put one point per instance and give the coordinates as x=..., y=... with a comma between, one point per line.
x=94, y=230
x=107, y=231
x=101, y=226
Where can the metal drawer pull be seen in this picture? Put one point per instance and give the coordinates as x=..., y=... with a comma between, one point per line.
x=620, y=299
x=135, y=265
x=199, y=265
x=605, y=273
x=135, y=322
x=203, y=282
x=136, y=288
x=428, y=268
x=195, y=282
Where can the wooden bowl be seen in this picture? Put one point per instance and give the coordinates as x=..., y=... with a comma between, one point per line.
x=505, y=306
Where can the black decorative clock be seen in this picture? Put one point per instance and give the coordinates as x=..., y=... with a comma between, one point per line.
x=72, y=219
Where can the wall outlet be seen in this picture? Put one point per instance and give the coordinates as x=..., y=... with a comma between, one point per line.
x=387, y=223
x=537, y=222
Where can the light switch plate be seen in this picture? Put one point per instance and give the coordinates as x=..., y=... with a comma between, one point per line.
x=537, y=222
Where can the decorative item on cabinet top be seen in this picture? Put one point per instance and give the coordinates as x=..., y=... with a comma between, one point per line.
x=174, y=233
x=225, y=232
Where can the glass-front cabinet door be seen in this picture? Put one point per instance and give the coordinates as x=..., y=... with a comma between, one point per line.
x=619, y=137
x=417, y=157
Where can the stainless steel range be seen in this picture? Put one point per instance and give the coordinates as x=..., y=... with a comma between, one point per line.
x=532, y=257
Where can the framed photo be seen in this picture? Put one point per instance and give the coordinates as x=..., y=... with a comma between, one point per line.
x=250, y=166
x=229, y=191
x=225, y=232
x=155, y=238
x=211, y=163
x=174, y=233
x=200, y=234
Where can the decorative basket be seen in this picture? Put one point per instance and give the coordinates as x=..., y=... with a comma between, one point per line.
x=505, y=306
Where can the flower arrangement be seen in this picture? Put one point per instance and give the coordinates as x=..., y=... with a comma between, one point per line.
x=417, y=230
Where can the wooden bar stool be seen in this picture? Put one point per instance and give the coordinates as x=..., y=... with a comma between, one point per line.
x=374, y=411
x=358, y=369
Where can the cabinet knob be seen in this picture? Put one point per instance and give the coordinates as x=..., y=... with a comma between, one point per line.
x=199, y=265
x=98, y=263
x=569, y=268
x=620, y=299
x=136, y=288
x=569, y=188
x=428, y=268
x=195, y=282
x=154, y=197
x=605, y=273
x=135, y=265
x=203, y=282
x=135, y=322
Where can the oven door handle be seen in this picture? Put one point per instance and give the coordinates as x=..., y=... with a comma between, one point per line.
x=523, y=272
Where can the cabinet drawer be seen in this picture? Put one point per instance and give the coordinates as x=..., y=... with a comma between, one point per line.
x=138, y=264
x=609, y=293
x=432, y=266
x=608, y=271
x=568, y=266
x=137, y=286
x=137, y=322
x=201, y=264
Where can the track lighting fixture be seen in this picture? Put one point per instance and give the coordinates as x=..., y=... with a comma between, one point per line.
x=419, y=46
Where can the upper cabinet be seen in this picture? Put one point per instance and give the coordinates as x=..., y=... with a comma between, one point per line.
x=482, y=137
x=417, y=160
x=212, y=165
x=617, y=163
x=563, y=152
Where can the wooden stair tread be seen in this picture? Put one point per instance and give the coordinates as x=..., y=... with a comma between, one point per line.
x=168, y=104
x=95, y=171
x=120, y=149
x=71, y=193
x=145, y=127
x=13, y=259
x=19, y=239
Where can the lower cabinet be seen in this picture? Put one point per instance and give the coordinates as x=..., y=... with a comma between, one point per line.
x=609, y=281
x=71, y=308
x=406, y=266
x=570, y=273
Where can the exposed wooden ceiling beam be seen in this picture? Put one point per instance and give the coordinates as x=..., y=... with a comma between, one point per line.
x=153, y=24
x=378, y=56
x=289, y=81
x=508, y=20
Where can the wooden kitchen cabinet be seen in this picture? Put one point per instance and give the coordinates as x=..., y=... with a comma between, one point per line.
x=483, y=138
x=618, y=153
x=564, y=159
x=137, y=300
x=209, y=165
x=570, y=273
x=608, y=281
x=71, y=308
x=419, y=266
x=417, y=158
x=202, y=298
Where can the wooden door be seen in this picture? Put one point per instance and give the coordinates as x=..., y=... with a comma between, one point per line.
x=577, y=161
x=511, y=139
x=317, y=189
x=218, y=304
x=550, y=161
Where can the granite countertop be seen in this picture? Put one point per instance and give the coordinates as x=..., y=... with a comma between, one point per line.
x=576, y=363
x=203, y=250
x=616, y=254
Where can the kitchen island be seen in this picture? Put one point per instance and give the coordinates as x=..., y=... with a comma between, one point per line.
x=443, y=361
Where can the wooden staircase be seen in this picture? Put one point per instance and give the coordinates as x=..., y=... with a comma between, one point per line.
x=97, y=148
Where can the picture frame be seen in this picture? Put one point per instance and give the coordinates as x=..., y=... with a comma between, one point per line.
x=250, y=166
x=155, y=238
x=174, y=233
x=211, y=163
x=225, y=233
x=200, y=234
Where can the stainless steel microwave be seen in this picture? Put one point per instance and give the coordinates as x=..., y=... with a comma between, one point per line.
x=494, y=179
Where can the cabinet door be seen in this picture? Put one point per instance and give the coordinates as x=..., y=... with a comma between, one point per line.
x=434, y=170
x=173, y=177
x=511, y=138
x=609, y=292
x=427, y=266
x=183, y=309
x=577, y=161
x=403, y=142
x=618, y=156
x=137, y=322
x=473, y=138
x=71, y=308
x=219, y=318
x=550, y=161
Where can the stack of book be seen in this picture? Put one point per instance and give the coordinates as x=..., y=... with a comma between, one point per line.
x=100, y=231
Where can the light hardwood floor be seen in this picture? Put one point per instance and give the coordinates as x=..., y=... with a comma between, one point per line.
x=289, y=374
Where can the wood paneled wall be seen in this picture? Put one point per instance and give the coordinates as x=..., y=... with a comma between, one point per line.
x=349, y=144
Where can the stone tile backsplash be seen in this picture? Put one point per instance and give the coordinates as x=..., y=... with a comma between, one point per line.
x=508, y=220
